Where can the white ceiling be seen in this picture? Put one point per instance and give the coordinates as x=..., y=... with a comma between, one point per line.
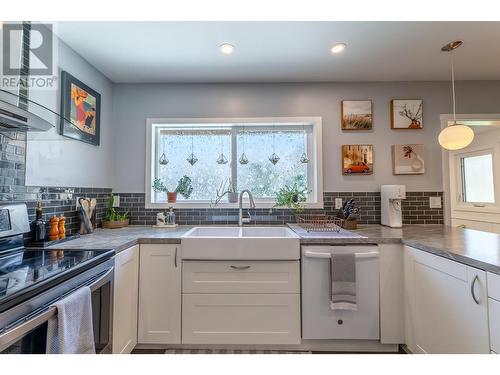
x=285, y=51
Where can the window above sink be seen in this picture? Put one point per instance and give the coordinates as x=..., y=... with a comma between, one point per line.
x=218, y=151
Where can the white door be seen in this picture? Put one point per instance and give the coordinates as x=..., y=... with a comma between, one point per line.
x=125, y=300
x=448, y=305
x=160, y=294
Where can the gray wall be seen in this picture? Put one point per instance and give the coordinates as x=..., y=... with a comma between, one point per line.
x=133, y=103
x=54, y=160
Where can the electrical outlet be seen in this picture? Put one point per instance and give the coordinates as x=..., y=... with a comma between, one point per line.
x=116, y=201
x=435, y=202
x=338, y=203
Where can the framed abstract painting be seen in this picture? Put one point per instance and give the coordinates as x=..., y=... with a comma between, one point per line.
x=407, y=114
x=81, y=109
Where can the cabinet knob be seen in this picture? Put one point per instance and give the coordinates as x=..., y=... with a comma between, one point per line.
x=340, y=322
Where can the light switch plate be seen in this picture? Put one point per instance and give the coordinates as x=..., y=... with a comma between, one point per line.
x=338, y=203
x=116, y=201
x=435, y=202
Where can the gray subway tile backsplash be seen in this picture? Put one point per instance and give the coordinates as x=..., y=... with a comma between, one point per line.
x=62, y=200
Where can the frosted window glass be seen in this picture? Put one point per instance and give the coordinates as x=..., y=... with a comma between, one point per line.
x=259, y=176
x=477, y=178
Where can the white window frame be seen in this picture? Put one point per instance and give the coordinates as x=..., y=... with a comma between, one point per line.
x=314, y=146
x=456, y=182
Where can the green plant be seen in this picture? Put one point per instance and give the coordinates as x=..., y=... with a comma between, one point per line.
x=219, y=194
x=111, y=214
x=184, y=187
x=292, y=196
x=159, y=186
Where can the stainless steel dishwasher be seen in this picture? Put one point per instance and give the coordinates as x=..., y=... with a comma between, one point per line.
x=318, y=320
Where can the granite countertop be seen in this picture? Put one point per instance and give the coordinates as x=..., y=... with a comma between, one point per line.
x=471, y=247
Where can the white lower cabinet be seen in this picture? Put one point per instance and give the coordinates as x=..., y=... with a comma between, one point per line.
x=494, y=314
x=446, y=305
x=241, y=319
x=160, y=294
x=241, y=302
x=126, y=283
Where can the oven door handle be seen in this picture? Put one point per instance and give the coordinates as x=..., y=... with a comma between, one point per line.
x=102, y=280
x=12, y=335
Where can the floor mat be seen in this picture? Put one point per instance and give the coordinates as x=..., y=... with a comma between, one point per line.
x=230, y=351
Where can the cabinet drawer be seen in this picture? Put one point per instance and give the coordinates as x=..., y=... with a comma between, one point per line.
x=241, y=277
x=494, y=313
x=493, y=286
x=241, y=319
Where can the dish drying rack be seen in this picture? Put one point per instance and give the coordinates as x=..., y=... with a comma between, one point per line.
x=319, y=222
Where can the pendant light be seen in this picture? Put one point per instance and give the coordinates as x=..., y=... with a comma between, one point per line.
x=456, y=136
x=221, y=160
x=192, y=159
x=274, y=158
x=304, y=159
x=243, y=158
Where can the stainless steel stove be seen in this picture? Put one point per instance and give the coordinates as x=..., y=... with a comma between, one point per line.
x=32, y=280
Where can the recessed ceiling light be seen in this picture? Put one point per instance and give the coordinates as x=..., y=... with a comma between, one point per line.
x=226, y=49
x=338, y=47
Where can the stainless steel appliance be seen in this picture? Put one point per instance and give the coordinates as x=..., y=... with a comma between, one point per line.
x=32, y=280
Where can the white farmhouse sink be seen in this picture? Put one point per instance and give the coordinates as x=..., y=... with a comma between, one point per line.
x=232, y=243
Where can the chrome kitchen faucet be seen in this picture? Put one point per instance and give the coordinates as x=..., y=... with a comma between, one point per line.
x=241, y=219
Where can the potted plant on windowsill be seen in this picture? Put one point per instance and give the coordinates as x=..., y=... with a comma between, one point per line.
x=184, y=188
x=114, y=220
x=294, y=196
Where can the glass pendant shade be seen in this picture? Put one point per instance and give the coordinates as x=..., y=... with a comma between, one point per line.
x=456, y=137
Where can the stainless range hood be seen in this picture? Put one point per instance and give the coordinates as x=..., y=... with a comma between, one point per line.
x=35, y=117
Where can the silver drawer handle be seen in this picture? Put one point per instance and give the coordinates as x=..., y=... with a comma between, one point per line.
x=239, y=268
x=472, y=289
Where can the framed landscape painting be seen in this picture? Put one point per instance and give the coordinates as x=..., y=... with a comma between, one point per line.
x=408, y=159
x=81, y=108
x=357, y=159
x=407, y=114
x=356, y=114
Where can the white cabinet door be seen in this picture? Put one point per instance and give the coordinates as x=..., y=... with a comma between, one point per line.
x=125, y=300
x=447, y=305
x=160, y=294
x=241, y=319
x=494, y=314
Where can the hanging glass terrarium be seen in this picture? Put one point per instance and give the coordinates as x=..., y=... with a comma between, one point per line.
x=192, y=159
x=243, y=158
x=304, y=159
x=163, y=160
x=274, y=158
x=221, y=160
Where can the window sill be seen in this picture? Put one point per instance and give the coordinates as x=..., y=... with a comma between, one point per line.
x=225, y=205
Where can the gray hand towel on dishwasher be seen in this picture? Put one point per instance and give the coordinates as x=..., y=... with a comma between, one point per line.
x=71, y=330
x=343, y=282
